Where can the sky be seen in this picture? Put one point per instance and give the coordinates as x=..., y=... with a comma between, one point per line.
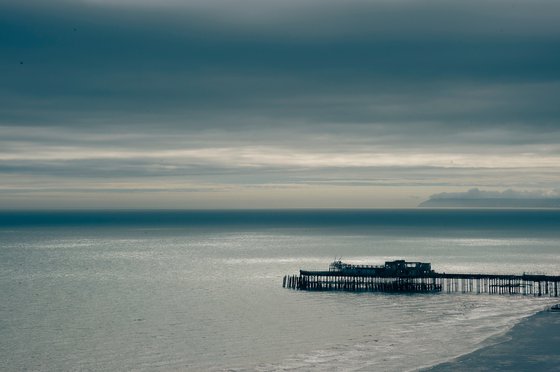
x=275, y=104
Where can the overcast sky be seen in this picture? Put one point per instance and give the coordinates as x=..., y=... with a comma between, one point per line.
x=275, y=103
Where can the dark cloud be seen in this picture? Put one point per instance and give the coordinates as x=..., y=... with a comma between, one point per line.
x=364, y=61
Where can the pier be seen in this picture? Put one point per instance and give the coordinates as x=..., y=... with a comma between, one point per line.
x=418, y=277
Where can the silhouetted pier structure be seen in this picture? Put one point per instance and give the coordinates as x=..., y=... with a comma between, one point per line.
x=418, y=277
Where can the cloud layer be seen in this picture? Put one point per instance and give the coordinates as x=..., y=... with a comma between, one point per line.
x=308, y=102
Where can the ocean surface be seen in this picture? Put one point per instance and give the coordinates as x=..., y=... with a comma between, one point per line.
x=202, y=290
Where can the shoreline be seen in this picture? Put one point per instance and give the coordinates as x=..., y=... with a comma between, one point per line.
x=532, y=344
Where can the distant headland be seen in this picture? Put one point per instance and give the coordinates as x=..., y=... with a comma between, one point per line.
x=475, y=198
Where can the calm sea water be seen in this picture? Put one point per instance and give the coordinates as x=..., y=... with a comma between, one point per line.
x=202, y=290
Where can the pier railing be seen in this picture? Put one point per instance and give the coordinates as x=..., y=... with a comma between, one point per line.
x=526, y=284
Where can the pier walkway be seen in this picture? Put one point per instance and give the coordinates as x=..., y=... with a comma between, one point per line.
x=407, y=279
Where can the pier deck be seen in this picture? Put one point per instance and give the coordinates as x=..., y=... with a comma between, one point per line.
x=381, y=279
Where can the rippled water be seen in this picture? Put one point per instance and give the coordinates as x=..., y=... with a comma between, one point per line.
x=170, y=296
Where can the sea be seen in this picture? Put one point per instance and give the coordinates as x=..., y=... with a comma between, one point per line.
x=202, y=290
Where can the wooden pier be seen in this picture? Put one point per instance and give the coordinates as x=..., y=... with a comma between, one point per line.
x=385, y=279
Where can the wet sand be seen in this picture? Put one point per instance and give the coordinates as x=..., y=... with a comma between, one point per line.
x=531, y=345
